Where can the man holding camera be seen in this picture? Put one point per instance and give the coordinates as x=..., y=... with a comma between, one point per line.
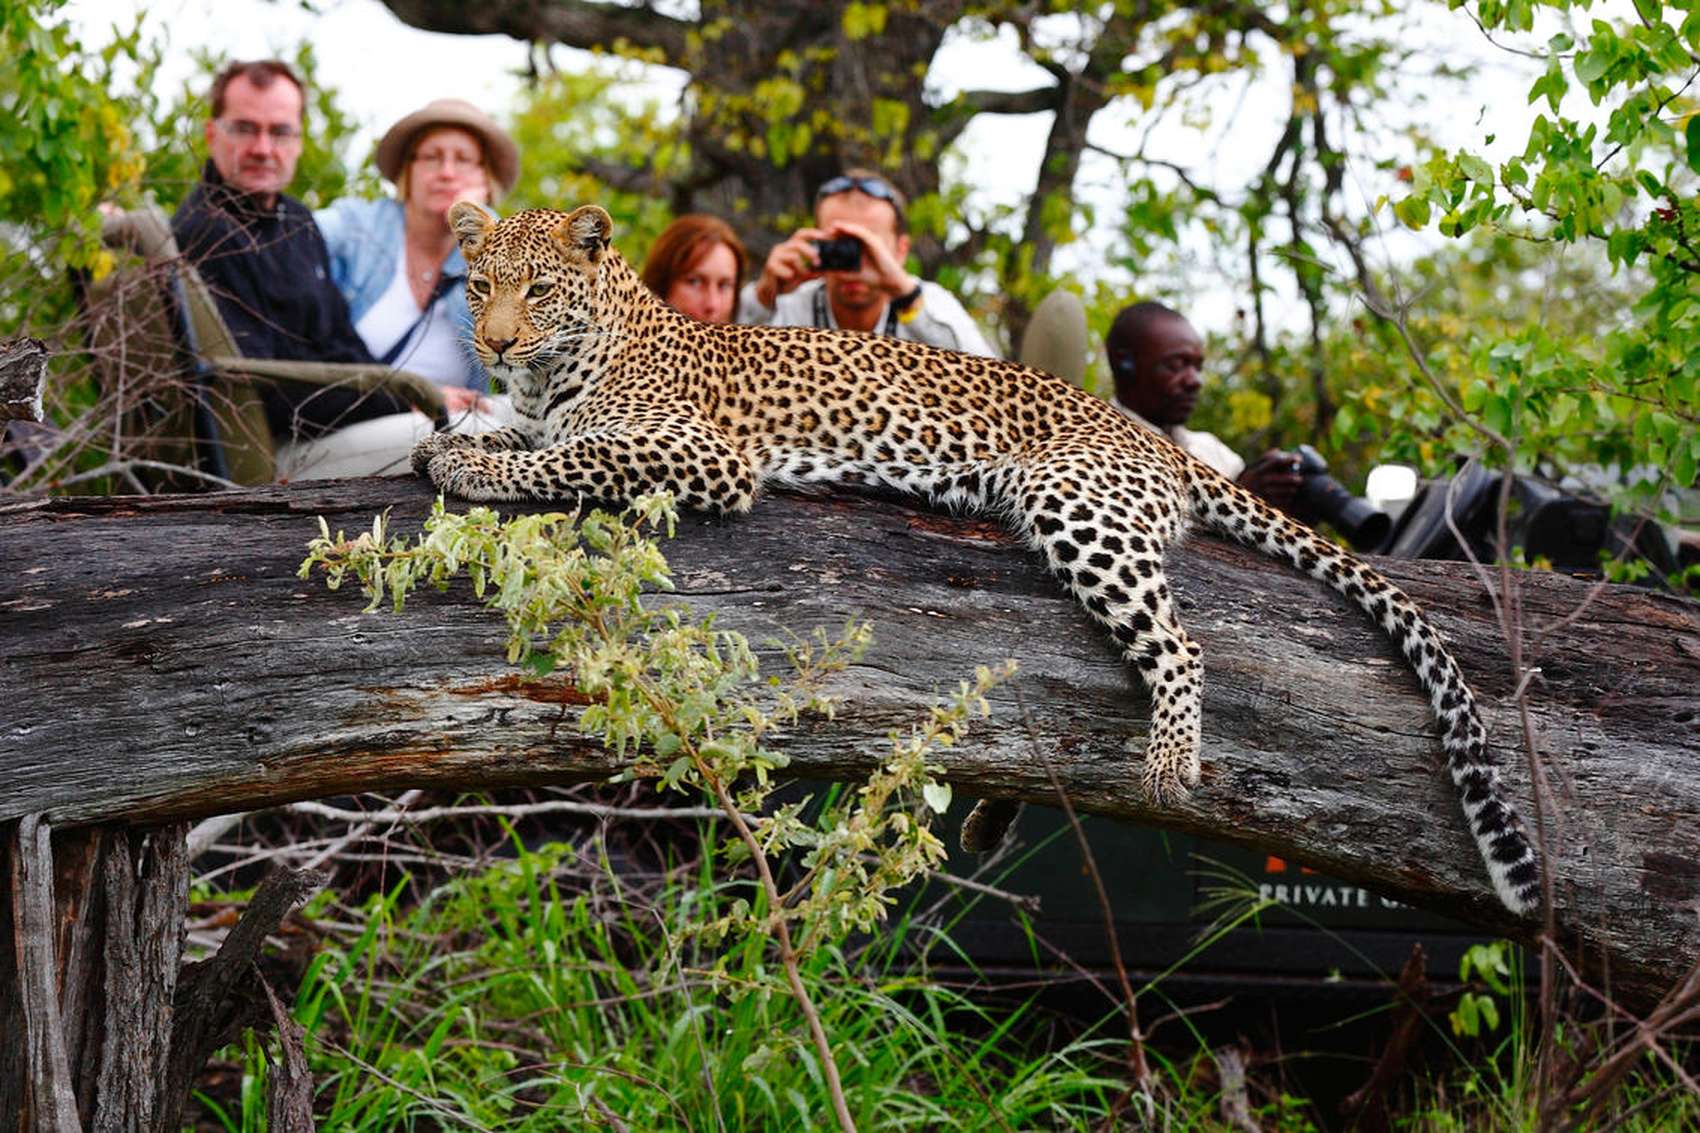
x=1157, y=358
x=847, y=272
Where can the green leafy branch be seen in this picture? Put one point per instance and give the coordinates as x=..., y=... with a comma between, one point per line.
x=1616, y=183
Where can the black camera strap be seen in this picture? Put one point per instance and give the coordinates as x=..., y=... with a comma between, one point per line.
x=444, y=283
x=823, y=319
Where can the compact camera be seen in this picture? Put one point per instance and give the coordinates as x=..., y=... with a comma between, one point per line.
x=841, y=254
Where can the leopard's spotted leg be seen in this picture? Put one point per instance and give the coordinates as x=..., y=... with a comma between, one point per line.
x=1111, y=558
x=684, y=456
x=506, y=439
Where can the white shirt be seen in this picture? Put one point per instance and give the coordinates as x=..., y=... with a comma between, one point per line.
x=941, y=321
x=434, y=351
x=1205, y=447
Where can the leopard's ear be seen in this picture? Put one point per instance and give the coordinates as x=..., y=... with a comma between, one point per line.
x=471, y=224
x=585, y=232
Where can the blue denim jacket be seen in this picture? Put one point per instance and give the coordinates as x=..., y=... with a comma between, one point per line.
x=364, y=239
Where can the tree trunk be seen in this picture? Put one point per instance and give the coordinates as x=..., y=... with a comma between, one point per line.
x=111, y=1026
x=163, y=662
x=755, y=164
x=23, y=372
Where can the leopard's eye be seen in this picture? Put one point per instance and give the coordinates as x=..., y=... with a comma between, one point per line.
x=539, y=289
x=479, y=286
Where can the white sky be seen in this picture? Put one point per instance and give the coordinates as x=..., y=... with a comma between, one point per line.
x=384, y=69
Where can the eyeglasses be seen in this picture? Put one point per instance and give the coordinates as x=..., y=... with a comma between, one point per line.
x=248, y=131
x=872, y=186
x=465, y=161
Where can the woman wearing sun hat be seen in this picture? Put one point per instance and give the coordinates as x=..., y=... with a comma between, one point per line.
x=397, y=264
x=395, y=259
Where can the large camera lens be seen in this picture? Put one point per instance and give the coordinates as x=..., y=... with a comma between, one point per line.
x=1364, y=525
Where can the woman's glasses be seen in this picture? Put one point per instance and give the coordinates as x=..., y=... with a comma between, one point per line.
x=438, y=159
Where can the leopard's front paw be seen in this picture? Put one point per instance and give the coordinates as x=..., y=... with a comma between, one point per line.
x=1170, y=774
x=428, y=449
x=448, y=469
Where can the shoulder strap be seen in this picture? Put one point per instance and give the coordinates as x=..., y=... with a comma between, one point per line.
x=825, y=323
x=444, y=282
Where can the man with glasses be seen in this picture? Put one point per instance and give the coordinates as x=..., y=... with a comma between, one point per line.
x=863, y=284
x=263, y=256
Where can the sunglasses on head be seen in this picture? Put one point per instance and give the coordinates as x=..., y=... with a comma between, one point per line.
x=872, y=186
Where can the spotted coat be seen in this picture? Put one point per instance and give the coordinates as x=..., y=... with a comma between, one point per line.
x=616, y=394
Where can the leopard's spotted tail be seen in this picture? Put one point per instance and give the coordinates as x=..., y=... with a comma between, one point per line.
x=1492, y=817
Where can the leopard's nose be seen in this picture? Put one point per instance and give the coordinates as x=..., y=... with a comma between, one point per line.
x=498, y=346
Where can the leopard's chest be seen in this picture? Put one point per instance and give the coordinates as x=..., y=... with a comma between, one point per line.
x=554, y=403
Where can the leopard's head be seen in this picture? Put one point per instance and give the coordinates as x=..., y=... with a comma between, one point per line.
x=531, y=283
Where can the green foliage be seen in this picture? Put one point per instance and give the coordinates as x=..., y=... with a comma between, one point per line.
x=685, y=702
x=568, y=124
x=1492, y=1085
x=80, y=127
x=66, y=141
x=1479, y=1011
x=547, y=992
x=1619, y=387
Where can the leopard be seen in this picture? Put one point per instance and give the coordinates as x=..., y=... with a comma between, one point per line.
x=616, y=395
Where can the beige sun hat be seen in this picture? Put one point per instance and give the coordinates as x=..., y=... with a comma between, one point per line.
x=499, y=148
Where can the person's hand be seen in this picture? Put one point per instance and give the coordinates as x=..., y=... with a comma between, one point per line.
x=880, y=264
x=459, y=399
x=792, y=262
x=1275, y=477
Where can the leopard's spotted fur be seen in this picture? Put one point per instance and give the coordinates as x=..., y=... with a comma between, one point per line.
x=616, y=394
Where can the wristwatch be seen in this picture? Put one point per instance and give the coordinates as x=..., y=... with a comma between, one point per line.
x=906, y=300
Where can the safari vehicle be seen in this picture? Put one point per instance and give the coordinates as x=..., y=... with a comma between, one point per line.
x=1172, y=895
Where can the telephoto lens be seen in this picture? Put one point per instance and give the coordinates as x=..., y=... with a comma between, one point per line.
x=1363, y=524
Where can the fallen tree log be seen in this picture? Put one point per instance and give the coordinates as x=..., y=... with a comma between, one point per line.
x=161, y=662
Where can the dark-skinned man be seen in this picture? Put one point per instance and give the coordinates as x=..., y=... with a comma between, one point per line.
x=1157, y=358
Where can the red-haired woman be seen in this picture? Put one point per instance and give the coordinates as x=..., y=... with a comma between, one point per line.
x=697, y=265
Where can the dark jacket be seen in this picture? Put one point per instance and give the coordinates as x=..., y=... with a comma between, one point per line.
x=270, y=275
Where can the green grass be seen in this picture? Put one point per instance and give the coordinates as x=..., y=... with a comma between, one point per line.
x=554, y=991
x=540, y=995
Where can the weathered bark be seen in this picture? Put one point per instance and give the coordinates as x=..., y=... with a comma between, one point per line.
x=145, y=879
x=46, y=1101
x=289, y=1086
x=23, y=371
x=212, y=1009
x=163, y=662
x=111, y=1037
